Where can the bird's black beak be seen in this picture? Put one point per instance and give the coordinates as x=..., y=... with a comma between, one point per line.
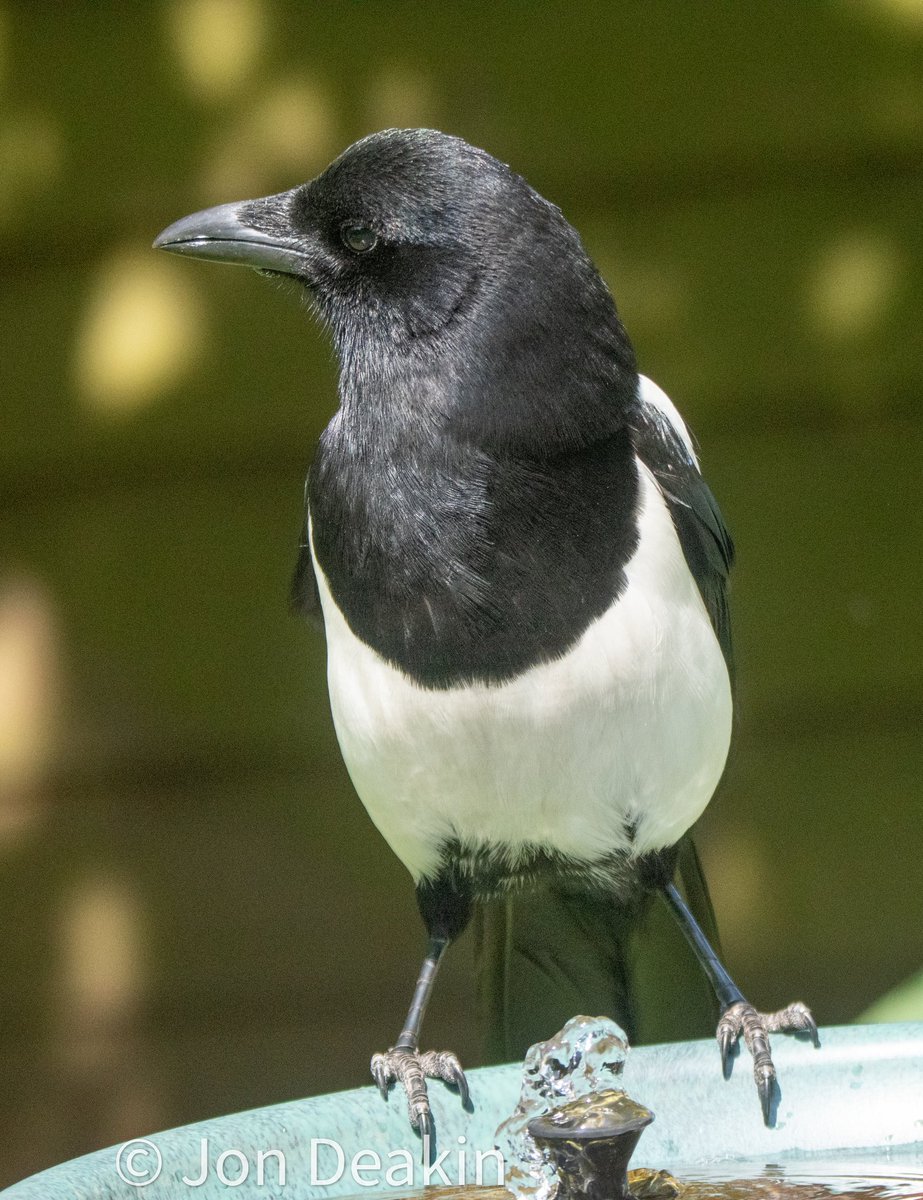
x=250, y=232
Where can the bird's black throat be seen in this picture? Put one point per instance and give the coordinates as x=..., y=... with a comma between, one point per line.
x=460, y=560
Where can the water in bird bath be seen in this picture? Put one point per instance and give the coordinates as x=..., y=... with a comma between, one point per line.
x=899, y=1177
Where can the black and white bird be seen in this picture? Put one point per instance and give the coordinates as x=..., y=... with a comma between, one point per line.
x=521, y=573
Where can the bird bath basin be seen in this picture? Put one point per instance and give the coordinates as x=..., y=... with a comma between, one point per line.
x=849, y=1120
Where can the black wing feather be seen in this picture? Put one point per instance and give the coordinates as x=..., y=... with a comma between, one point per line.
x=703, y=535
x=305, y=597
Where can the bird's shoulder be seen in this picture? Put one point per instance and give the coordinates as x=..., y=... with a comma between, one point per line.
x=665, y=446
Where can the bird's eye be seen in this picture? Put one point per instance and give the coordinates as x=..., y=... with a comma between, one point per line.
x=359, y=238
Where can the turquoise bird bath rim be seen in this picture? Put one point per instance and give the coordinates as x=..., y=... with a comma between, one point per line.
x=862, y=1091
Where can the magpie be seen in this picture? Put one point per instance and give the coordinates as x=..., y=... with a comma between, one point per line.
x=520, y=571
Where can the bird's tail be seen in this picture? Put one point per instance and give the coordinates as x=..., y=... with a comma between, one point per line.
x=545, y=956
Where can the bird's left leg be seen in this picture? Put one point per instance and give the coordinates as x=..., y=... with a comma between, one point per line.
x=446, y=907
x=738, y=1017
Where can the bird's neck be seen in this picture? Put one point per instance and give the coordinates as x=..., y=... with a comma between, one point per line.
x=528, y=376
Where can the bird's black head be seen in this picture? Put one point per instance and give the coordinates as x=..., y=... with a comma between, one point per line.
x=454, y=291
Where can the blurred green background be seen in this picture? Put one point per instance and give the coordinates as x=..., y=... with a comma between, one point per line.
x=197, y=914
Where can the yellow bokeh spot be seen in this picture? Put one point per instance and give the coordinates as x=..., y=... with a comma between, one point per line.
x=142, y=332
x=28, y=684
x=288, y=133
x=102, y=973
x=907, y=14
x=293, y=123
x=102, y=963
x=853, y=284
x=218, y=43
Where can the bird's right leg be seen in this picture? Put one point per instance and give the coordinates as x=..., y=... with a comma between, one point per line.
x=738, y=1016
x=445, y=906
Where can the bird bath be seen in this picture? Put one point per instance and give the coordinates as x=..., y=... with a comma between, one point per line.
x=849, y=1119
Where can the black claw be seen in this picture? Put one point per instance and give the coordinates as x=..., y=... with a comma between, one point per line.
x=425, y=1127
x=725, y=1042
x=382, y=1080
x=764, y=1082
x=459, y=1080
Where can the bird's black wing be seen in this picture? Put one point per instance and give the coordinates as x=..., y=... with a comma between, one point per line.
x=703, y=535
x=305, y=597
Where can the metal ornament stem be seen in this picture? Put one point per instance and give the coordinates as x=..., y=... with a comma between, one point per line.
x=590, y=1141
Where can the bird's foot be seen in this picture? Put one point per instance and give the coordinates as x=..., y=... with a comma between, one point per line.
x=743, y=1019
x=411, y=1068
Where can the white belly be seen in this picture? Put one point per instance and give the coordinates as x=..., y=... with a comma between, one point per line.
x=630, y=725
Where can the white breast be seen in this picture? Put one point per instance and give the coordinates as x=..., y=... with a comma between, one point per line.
x=632, y=724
